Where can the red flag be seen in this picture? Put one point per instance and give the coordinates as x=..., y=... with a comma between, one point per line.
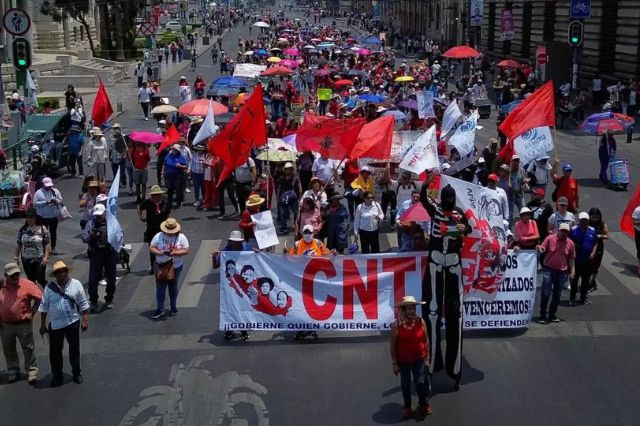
x=506, y=152
x=172, y=136
x=626, y=222
x=331, y=137
x=535, y=111
x=246, y=130
x=374, y=140
x=102, y=109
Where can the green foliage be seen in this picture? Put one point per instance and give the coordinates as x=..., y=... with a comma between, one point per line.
x=53, y=102
x=139, y=43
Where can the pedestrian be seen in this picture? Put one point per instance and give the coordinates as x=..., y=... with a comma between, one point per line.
x=74, y=151
x=503, y=199
x=518, y=183
x=87, y=201
x=539, y=173
x=197, y=171
x=194, y=57
x=235, y=242
x=364, y=182
x=366, y=224
x=118, y=154
x=566, y=186
x=175, y=166
x=559, y=254
x=63, y=312
x=409, y=349
x=247, y=224
x=144, y=98
x=47, y=201
x=585, y=240
x=405, y=229
x=526, y=233
x=166, y=54
x=33, y=247
x=169, y=246
x=337, y=224
x=184, y=90
x=288, y=192
x=98, y=153
x=152, y=212
x=602, y=233
x=606, y=153
x=19, y=301
x=308, y=214
x=316, y=192
x=140, y=158
x=245, y=176
x=102, y=258
x=139, y=73
x=562, y=215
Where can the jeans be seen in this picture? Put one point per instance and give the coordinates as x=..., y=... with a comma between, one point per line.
x=56, y=344
x=73, y=160
x=369, y=241
x=175, y=185
x=99, y=262
x=583, y=274
x=139, y=179
x=420, y=379
x=228, y=185
x=198, y=189
x=552, y=283
x=161, y=291
x=283, y=215
x=52, y=225
x=23, y=332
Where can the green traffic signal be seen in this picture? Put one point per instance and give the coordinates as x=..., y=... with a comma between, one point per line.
x=574, y=39
x=22, y=62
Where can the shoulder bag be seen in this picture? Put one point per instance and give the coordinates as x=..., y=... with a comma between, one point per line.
x=165, y=271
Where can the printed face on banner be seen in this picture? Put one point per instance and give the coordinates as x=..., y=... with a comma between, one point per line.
x=259, y=291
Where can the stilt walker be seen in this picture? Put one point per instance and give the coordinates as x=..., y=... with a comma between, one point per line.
x=443, y=279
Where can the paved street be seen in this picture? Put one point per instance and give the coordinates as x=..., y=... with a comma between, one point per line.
x=180, y=370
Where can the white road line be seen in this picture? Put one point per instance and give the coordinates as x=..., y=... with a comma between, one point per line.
x=199, y=269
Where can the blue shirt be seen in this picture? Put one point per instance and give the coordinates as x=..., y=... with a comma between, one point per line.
x=404, y=207
x=76, y=140
x=171, y=163
x=62, y=312
x=584, y=241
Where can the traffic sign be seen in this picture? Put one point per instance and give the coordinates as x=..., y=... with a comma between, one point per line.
x=147, y=29
x=580, y=9
x=16, y=21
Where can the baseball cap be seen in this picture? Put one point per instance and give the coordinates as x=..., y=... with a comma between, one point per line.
x=505, y=167
x=47, y=182
x=538, y=191
x=567, y=167
x=100, y=198
x=563, y=201
x=176, y=146
x=480, y=160
x=288, y=165
x=365, y=169
x=11, y=269
x=564, y=227
x=162, y=122
x=583, y=215
x=493, y=177
x=307, y=228
x=98, y=210
x=515, y=157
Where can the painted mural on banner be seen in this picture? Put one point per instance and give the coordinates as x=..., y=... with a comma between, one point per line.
x=533, y=144
x=260, y=291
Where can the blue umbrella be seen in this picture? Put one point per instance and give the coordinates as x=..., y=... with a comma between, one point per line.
x=505, y=109
x=371, y=40
x=398, y=115
x=229, y=82
x=371, y=98
x=262, y=52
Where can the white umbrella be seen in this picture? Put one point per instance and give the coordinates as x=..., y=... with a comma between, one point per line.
x=248, y=53
x=309, y=46
x=261, y=24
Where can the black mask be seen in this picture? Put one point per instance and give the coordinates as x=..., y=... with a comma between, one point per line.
x=448, y=198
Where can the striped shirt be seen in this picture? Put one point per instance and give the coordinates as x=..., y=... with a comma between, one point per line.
x=62, y=312
x=196, y=165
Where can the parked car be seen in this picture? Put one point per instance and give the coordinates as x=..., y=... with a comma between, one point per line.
x=173, y=25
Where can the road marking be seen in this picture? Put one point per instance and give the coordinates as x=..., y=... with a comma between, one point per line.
x=570, y=329
x=145, y=295
x=198, y=275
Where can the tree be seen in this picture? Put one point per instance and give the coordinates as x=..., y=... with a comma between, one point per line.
x=77, y=10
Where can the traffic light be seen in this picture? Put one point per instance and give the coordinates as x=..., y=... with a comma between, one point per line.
x=576, y=33
x=21, y=53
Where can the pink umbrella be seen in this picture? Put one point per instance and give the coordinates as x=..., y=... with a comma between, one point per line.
x=146, y=137
x=289, y=63
x=291, y=52
x=363, y=52
x=415, y=213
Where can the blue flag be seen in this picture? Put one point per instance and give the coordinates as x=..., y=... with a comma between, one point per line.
x=115, y=236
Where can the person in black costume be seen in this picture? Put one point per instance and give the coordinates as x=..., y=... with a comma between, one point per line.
x=444, y=279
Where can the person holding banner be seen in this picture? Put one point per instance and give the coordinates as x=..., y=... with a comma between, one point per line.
x=409, y=349
x=526, y=231
x=366, y=224
x=444, y=275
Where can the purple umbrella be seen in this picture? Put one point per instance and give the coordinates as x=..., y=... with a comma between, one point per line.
x=146, y=137
x=409, y=104
x=291, y=52
x=322, y=72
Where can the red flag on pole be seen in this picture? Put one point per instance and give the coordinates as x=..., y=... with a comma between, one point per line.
x=332, y=137
x=626, y=222
x=535, y=111
x=374, y=140
x=172, y=136
x=102, y=108
x=506, y=152
x=246, y=130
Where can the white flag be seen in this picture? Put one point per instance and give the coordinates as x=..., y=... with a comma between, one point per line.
x=464, y=138
x=208, y=128
x=115, y=236
x=31, y=99
x=450, y=116
x=533, y=144
x=422, y=154
x=425, y=104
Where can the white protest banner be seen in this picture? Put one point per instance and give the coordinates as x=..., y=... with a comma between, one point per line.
x=115, y=235
x=208, y=128
x=265, y=230
x=451, y=116
x=533, y=144
x=484, y=250
x=401, y=142
x=261, y=291
x=248, y=70
x=425, y=104
x=464, y=137
x=513, y=305
x=422, y=154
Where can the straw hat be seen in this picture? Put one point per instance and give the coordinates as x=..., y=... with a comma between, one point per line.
x=97, y=132
x=254, y=200
x=58, y=266
x=156, y=190
x=235, y=236
x=170, y=226
x=409, y=301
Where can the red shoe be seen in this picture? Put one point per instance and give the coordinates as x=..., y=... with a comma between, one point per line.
x=407, y=413
x=426, y=409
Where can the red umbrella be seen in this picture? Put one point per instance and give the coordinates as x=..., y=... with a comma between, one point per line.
x=343, y=82
x=508, y=63
x=273, y=71
x=146, y=137
x=416, y=213
x=461, y=52
x=609, y=124
x=201, y=107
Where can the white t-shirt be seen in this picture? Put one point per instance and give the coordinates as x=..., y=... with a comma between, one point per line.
x=243, y=172
x=542, y=173
x=165, y=242
x=636, y=215
x=556, y=219
x=323, y=169
x=144, y=94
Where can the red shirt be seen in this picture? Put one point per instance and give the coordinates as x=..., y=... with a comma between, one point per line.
x=140, y=158
x=557, y=252
x=16, y=302
x=411, y=345
x=351, y=172
x=567, y=186
x=246, y=223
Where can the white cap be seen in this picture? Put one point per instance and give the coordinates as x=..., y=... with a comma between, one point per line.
x=525, y=210
x=47, y=182
x=583, y=215
x=288, y=165
x=176, y=146
x=365, y=169
x=98, y=210
x=235, y=236
x=515, y=157
x=480, y=160
x=162, y=122
x=35, y=148
x=307, y=228
x=100, y=198
x=564, y=227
